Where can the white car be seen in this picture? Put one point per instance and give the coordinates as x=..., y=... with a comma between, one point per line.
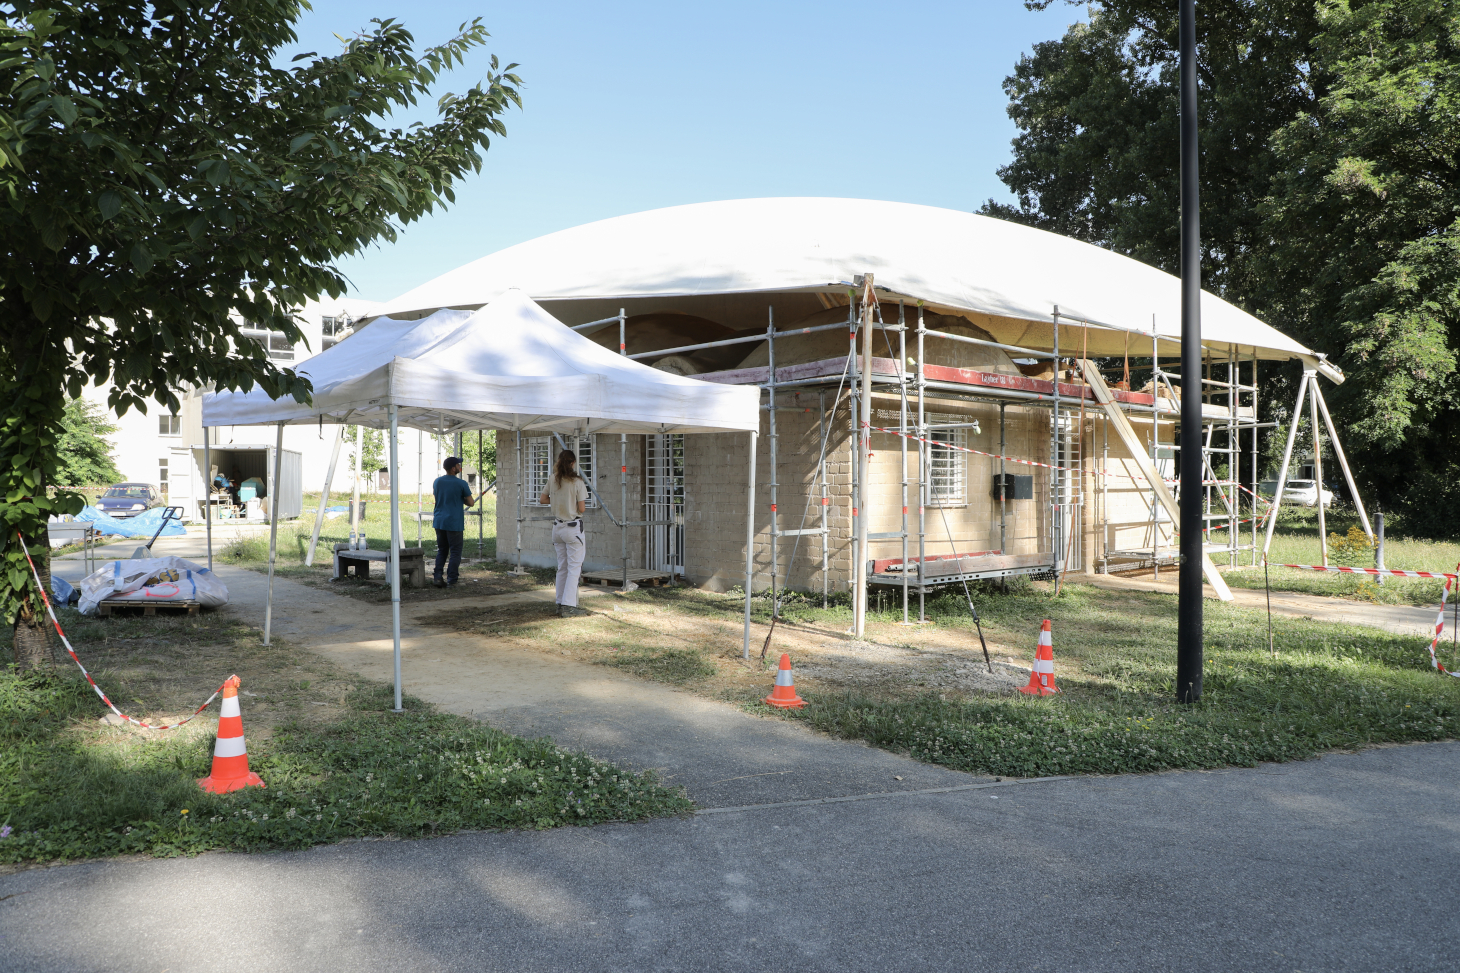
x=1306, y=493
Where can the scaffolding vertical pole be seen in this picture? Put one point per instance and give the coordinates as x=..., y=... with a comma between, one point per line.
x=1104, y=519
x=825, y=428
x=420, y=479
x=1234, y=465
x=749, y=544
x=922, y=380
x=1003, y=485
x=274, y=491
x=1318, y=465
x=623, y=472
x=773, y=440
x=1056, y=483
x=1255, y=414
x=902, y=428
x=355, y=491
x=864, y=471
x=1155, y=451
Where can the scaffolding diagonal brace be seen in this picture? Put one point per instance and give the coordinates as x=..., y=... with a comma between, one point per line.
x=1137, y=451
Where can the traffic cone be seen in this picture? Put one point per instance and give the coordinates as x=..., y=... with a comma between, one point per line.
x=784, y=695
x=230, y=756
x=1041, y=679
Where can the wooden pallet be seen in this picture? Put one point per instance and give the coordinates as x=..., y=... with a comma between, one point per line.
x=148, y=607
x=637, y=576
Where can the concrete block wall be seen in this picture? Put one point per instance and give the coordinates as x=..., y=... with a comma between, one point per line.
x=602, y=537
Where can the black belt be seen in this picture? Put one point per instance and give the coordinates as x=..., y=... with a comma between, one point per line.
x=569, y=523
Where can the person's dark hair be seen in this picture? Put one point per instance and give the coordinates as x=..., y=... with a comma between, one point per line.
x=563, y=470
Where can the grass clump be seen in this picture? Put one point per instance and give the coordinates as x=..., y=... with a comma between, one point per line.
x=674, y=666
x=1327, y=687
x=337, y=762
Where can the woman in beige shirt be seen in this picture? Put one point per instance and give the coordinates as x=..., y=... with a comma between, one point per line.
x=567, y=494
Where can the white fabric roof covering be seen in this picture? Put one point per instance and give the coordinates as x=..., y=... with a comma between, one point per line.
x=943, y=257
x=510, y=365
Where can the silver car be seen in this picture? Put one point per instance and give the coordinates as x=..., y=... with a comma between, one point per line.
x=1304, y=492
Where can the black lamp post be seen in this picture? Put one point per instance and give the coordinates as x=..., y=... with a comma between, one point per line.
x=1189, y=617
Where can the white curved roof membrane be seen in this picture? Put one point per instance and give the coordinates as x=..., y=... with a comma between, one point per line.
x=1015, y=275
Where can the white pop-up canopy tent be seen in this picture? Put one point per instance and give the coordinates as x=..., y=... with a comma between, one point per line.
x=509, y=365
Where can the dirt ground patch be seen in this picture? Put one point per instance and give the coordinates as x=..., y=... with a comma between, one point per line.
x=692, y=640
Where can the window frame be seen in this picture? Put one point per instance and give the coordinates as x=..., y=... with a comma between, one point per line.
x=953, y=459
x=174, y=423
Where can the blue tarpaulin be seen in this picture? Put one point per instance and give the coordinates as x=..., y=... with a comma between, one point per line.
x=142, y=525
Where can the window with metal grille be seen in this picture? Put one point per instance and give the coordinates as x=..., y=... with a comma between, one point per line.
x=169, y=425
x=947, y=464
x=542, y=452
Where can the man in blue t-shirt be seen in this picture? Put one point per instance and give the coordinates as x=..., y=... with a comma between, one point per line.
x=452, y=497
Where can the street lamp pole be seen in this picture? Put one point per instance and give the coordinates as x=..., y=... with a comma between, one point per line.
x=1189, y=609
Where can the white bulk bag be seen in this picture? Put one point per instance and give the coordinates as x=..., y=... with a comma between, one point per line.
x=127, y=581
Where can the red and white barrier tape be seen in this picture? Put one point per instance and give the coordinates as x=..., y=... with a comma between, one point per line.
x=1343, y=570
x=1440, y=627
x=72, y=652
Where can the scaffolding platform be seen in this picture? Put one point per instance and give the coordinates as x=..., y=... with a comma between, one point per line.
x=974, y=568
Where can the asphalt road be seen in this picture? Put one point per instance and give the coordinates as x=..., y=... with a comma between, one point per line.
x=1344, y=863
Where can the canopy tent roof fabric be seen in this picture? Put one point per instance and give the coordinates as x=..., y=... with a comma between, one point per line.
x=1013, y=277
x=509, y=365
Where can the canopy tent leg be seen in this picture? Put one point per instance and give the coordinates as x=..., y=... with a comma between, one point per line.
x=749, y=543
x=208, y=492
x=273, y=530
x=864, y=450
x=355, y=524
x=324, y=497
x=1277, y=496
x=420, y=473
x=1348, y=476
x=395, y=546
x=521, y=501
x=481, y=491
x=772, y=441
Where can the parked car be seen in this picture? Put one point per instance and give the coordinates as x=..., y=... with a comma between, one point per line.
x=128, y=499
x=1304, y=492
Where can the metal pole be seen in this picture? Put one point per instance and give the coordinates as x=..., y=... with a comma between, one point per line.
x=922, y=380
x=521, y=502
x=749, y=544
x=355, y=490
x=324, y=497
x=853, y=450
x=1189, y=607
x=481, y=493
x=1277, y=497
x=1003, y=486
x=395, y=547
x=825, y=428
x=208, y=493
x=771, y=444
x=1055, y=480
x=1155, y=451
x=273, y=530
x=1253, y=471
x=420, y=477
x=623, y=472
x=1379, y=542
x=902, y=428
x=859, y=602
x=1318, y=468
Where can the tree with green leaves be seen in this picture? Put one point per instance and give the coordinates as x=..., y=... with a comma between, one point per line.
x=164, y=184
x=1330, y=193
x=83, y=455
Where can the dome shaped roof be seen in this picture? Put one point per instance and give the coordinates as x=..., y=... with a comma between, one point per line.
x=1013, y=277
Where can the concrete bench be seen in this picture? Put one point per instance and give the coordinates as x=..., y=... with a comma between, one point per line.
x=412, y=563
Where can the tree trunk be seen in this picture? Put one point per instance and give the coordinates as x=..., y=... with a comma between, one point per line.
x=31, y=638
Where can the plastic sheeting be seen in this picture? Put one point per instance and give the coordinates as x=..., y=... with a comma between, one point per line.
x=511, y=365
x=142, y=525
x=127, y=580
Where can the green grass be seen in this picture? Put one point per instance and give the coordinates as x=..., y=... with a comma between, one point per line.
x=1327, y=687
x=673, y=666
x=337, y=763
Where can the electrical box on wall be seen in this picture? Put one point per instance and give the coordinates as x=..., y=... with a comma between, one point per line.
x=1015, y=487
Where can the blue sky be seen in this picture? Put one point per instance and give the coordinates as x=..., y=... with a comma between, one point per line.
x=635, y=105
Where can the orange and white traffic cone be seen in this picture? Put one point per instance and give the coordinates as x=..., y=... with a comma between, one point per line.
x=1041, y=679
x=230, y=756
x=784, y=694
